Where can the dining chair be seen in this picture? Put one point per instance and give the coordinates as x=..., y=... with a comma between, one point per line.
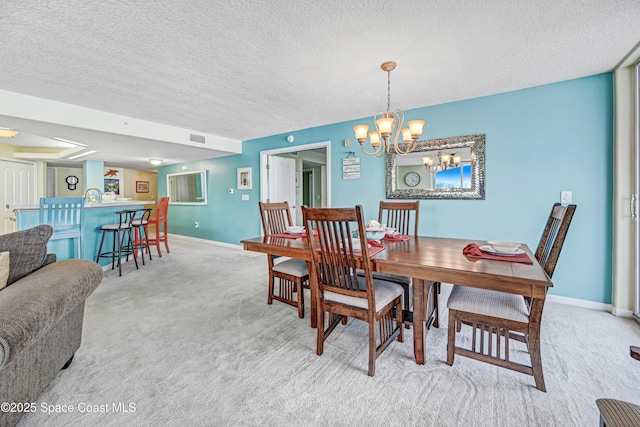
x=339, y=291
x=66, y=216
x=161, y=222
x=404, y=216
x=618, y=413
x=507, y=316
x=292, y=274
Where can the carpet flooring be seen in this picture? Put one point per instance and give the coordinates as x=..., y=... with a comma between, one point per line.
x=189, y=339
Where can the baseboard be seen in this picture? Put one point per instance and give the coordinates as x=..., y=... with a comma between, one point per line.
x=206, y=241
x=590, y=305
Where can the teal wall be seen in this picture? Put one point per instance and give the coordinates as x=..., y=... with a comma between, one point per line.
x=539, y=141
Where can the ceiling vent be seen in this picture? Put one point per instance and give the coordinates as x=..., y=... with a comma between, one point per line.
x=197, y=138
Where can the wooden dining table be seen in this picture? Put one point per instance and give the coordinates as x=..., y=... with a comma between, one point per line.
x=429, y=260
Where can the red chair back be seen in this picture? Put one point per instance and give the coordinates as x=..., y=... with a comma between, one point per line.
x=163, y=207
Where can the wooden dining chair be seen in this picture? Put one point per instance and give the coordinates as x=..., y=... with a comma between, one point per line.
x=161, y=223
x=507, y=316
x=618, y=413
x=340, y=292
x=404, y=216
x=292, y=274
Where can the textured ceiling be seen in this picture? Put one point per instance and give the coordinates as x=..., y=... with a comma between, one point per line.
x=246, y=69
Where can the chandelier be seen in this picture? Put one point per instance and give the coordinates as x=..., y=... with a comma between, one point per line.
x=441, y=161
x=389, y=127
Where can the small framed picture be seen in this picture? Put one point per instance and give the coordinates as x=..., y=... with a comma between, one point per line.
x=142, y=186
x=244, y=178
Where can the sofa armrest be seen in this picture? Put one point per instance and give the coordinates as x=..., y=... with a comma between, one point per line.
x=49, y=259
x=34, y=304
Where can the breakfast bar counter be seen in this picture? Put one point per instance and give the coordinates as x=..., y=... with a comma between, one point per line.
x=95, y=216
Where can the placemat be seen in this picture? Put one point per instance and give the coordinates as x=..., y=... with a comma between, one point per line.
x=473, y=251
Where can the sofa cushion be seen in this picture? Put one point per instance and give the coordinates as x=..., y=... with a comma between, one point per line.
x=28, y=249
x=4, y=269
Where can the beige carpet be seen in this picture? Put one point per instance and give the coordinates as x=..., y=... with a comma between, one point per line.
x=190, y=340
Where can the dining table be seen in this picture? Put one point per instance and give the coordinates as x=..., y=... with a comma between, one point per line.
x=430, y=261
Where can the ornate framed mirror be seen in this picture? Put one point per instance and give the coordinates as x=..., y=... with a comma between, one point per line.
x=447, y=168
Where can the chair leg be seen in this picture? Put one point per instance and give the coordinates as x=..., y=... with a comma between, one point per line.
x=372, y=349
x=320, y=329
x=100, y=247
x=164, y=237
x=300, y=298
x=451, y=338
x=158, y=240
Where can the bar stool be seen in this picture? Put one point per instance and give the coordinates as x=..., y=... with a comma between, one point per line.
x=160, y=219
x=140, y=232
x=120, y=231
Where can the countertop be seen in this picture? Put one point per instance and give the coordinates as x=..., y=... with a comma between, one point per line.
x=88, y=205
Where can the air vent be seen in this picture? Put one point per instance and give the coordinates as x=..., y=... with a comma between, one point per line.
x=197, y=138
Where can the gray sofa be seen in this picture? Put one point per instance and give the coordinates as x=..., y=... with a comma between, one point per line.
x=41, y=312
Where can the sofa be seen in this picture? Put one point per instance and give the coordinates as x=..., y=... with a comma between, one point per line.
x=41, y=313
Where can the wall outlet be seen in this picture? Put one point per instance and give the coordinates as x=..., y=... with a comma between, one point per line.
x=565, y=197
x=196, y=224
x=245, y=197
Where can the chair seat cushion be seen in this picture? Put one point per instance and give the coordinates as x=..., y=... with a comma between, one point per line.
x=292, y=267
x=616, y=413
x=385, y=293
x=488, y=303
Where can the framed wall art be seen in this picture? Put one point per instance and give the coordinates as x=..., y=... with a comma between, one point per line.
x=142, y=186
x=244, y=178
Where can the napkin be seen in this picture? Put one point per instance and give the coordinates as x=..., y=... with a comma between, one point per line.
x=397, y=237
x=375, y=243
x=473, y=251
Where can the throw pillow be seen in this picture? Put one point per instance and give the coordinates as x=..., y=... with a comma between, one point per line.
x=4, y=269
x=28, y=250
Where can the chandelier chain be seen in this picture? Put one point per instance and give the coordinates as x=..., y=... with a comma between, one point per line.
x=388, y=91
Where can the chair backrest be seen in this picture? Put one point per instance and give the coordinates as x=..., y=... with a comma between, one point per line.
x=403, y=216
x=276, y=217
x=163, y=208
x=553, y=237
x=64, y=214
x=336, y=263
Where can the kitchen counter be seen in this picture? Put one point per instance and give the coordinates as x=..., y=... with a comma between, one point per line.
x=116, y=203
x=95, y=216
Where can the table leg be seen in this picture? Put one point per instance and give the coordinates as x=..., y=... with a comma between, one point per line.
x=534, y=342
x=419, y=315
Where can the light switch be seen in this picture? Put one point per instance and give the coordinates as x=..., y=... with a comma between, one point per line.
x=245, y=197
x=565, y=197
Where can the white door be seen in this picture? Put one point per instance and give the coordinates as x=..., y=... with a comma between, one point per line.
x=18, y=187
x=281, y=176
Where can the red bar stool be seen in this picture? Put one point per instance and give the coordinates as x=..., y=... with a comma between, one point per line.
x=160, y=218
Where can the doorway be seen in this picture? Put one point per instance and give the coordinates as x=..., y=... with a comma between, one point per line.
x=277, y=184
x=18, y=188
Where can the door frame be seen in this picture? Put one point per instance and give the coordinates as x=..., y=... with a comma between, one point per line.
x=263, y=164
